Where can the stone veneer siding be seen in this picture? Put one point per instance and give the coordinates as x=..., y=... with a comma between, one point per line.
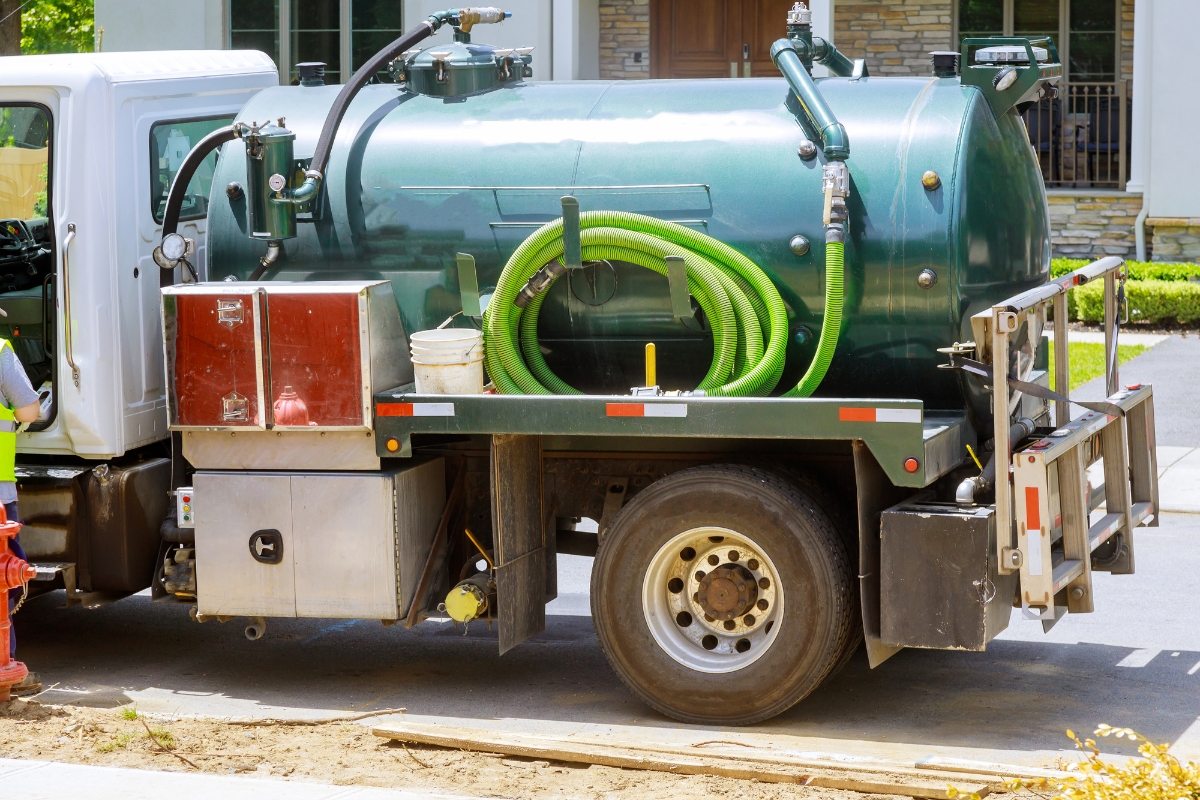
x=1093, y=224
x=1175, y=239
x=624, y=33
x=894, y=36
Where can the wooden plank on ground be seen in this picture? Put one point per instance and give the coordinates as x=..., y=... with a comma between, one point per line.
x=923, y=784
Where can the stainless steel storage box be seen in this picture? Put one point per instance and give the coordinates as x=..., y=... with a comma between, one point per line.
x=342, y=544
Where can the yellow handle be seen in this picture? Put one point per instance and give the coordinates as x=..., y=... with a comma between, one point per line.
x=651, y=366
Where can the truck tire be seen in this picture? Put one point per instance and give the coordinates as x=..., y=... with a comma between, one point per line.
x=846, y=525
x=722, y=594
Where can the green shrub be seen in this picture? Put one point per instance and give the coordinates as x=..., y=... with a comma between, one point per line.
x=1138, y=270
x=1151, y=301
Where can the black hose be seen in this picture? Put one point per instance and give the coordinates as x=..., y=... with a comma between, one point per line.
x=183, y=177
x=359, y=79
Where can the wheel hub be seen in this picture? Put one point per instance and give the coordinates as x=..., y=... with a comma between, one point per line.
x=712, y=599
x=727, y=592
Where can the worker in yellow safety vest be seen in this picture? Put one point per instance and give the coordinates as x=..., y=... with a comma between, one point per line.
x=18, y=403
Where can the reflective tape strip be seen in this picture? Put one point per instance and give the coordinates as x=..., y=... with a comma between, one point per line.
x=415, y=409
x=1033, y=510
x=646, y=409
x=879, y=415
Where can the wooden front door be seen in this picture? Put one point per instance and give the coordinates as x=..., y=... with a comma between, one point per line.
x=715, y=38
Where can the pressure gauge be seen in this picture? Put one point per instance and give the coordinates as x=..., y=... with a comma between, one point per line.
x=174, y=247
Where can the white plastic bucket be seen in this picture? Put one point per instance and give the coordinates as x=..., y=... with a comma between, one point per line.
x=448, y=361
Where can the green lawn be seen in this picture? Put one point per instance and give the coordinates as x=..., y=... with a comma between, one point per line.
x=1087, y=360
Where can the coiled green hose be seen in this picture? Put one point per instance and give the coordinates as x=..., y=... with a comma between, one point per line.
x=744, y=309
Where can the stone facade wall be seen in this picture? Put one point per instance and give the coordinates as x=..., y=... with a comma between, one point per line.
x=1175, y=239
x=1126, y=35
x=894, y=36
x=624, y=39
x=1093, y=224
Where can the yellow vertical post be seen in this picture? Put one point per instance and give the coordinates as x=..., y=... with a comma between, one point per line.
x=651, y=366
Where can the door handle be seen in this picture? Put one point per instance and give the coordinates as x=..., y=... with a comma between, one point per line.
x=67, y=302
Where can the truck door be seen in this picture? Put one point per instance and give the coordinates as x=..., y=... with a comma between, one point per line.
x=27, y=244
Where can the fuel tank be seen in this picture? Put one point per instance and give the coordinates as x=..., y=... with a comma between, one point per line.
x=415, y=179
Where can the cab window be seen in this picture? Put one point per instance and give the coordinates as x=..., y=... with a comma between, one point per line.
x=26, y=262
x=170, y=142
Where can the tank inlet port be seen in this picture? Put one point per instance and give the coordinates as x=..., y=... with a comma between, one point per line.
x=256, y=628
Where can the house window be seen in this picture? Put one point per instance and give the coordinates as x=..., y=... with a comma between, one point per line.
x=254, y=25
x=315, y=35
x=375, y=25
x=1084, y=31
x=343, y=34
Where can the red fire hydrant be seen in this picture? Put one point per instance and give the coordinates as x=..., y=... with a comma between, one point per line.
x=14, y=573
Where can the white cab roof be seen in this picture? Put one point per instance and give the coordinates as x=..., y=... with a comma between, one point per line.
x=145, y=65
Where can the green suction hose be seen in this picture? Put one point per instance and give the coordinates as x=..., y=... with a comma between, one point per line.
x=745, y=310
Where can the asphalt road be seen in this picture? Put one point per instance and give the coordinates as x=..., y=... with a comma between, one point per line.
x=1136, y=662
x=1173, y=367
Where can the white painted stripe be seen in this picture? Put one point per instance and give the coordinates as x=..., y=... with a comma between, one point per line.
x=898, y=415
x=433, y=409
x=1033, y=541
x=1138, y=658
x=665, y=410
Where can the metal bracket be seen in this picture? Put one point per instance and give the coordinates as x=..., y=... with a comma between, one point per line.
x=614, y=499
x=681, y=299
x=572, y=249
x=468, y=285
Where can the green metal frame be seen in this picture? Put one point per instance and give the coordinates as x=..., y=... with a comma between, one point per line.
x=936, y=442
x=1028, y=77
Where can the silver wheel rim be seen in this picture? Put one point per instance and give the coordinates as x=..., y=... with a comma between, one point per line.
x=680, y=620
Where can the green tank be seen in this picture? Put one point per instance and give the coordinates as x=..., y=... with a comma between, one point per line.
x=415, y=179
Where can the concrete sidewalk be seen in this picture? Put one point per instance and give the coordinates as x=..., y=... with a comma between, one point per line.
x=48, y=780
x=1179, y=479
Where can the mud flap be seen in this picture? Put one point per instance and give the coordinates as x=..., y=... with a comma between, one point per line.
x=518, y=525
x=875, y=494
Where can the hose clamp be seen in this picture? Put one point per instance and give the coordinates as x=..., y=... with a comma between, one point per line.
x=539, y=282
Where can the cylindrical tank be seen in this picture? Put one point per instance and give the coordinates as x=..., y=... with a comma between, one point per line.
x=414, y=179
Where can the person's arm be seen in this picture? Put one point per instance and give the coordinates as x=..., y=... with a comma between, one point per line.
x=14, y=386
x=28, y=413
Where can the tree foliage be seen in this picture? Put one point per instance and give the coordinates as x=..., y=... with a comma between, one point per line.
x=58, y=26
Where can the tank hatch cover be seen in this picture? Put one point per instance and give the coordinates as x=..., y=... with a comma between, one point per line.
x=457, y=69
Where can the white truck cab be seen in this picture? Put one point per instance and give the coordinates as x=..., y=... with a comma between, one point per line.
x=89, y=144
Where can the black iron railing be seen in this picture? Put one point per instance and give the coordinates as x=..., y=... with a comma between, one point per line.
x=1081, y=136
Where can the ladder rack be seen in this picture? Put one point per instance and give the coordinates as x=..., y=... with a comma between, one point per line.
x=1044, y=508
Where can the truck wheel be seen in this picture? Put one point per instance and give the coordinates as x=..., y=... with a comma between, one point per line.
x=722, y=594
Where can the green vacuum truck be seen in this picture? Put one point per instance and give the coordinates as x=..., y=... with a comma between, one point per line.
x=782, y=340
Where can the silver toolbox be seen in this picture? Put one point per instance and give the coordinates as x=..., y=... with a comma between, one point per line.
x=315, y=544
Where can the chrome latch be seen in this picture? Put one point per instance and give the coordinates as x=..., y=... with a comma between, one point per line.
x=230, y=313
x=235, y=408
